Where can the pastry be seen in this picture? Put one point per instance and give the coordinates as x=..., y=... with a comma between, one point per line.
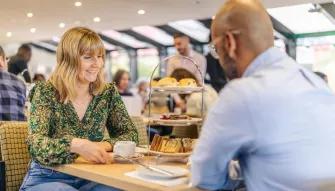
x=154, y=83
x=172, y=145
x=174, y=117
x=187, y=144
x=154, y=142
x=163, y=145
x=167, y=81
x=187, y=82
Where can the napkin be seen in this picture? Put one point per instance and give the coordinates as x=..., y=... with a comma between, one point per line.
x=163, y=182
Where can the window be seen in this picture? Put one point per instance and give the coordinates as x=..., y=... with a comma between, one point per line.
x=318, y=55
x=120, y=60
x=147, y=60
x=279, y=43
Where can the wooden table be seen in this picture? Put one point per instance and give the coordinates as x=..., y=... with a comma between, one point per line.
x=113, y=175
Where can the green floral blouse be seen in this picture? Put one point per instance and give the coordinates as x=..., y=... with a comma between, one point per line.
x=52, y=125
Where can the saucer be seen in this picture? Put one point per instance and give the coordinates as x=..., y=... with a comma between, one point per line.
x=137, y=156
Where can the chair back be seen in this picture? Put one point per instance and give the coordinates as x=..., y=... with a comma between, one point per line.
x=141, y=129
x=14, y=151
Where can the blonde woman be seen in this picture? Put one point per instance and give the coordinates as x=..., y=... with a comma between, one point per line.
x=70, y=112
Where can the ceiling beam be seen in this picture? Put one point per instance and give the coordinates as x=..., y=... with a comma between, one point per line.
x=54, y=43
x=328, y=9
x=206, y=22
x=42, y=48
x=172, y=31
x=282, y=29
x=143, y=38
x=115, y=42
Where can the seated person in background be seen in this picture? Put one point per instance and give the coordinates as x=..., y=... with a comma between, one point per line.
x=274, y=116
x=194, y=100
x=159, y=105
x=38, y=77
x=142, y=91
x=74, y=113
x=193, y=103
x=12, y=93
x=121, y=80
x=322, y=76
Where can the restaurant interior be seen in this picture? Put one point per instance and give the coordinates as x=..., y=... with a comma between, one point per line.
x=139, y=38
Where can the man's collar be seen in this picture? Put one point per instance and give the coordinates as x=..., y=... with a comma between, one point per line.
x=267, y=57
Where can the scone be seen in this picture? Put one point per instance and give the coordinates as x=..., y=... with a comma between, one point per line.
x=187, y=144
x=187, y=82
x=154, y=83
x=167, y=81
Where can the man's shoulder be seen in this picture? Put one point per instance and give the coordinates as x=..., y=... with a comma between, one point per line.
x=197, y=54
x=11, y=78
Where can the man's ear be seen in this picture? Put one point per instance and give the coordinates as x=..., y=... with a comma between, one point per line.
x=230, y=44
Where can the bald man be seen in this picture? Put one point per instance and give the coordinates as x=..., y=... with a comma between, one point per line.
x=274, y=116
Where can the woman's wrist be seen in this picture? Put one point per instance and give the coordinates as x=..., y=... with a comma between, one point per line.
x=107, y=146
x=76, y=144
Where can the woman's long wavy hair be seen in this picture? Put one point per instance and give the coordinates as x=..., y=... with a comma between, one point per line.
x=75, y=43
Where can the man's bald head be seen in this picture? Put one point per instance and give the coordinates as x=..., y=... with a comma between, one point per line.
x=241, y=31
x=250, y=18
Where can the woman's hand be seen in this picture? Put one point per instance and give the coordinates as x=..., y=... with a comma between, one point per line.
x=105, y=145
x=90, y=151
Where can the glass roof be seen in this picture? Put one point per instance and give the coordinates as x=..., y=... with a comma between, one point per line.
x=192, y=28
x=108, y=46
x=125, y=39
x=307, y=18
x=155, y=34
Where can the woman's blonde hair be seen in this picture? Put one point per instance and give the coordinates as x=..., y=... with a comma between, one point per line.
x=75, y=43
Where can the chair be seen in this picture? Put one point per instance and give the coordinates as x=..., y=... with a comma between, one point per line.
x=14, y=152
x=141, y=129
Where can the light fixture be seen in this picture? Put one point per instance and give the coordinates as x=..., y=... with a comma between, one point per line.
x=96, y=19
x=30, y=14
x=213, y=17
x=61, y=25
x=55, y=38
x=33, y=30
x=9, y=34
x=141, y=12
x=77, y=4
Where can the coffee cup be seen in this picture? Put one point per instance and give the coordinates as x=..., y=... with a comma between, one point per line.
x=124, y=148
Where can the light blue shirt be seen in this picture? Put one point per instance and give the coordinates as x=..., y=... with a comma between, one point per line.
x=278, y=120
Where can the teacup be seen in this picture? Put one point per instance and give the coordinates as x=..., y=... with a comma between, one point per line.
x=124, y=148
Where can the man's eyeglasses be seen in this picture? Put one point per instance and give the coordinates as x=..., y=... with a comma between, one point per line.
x=212, y=46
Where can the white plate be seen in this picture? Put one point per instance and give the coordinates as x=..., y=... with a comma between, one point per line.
x=142, y=149
x=137, y=156
x=177, y=89
x=177, y=171
x=170, y=154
